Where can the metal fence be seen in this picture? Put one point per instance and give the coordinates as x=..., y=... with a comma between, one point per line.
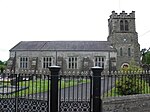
x=75, y=95
x=54, y=91
x=49, y=91
x=24, y=92
x=121, y=83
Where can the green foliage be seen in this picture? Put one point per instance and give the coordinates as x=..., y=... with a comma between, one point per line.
x=2, y=65
x=145, y=56
x=129, y=85
x=130, y=81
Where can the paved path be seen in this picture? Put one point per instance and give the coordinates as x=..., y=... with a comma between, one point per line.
x=78, y=92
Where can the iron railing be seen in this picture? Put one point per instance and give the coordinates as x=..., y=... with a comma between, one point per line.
x=68, y=91
x=121, y=83
x=24, y=92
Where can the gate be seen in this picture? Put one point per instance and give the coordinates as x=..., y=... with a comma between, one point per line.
x=76, y=97
x=23, y=92
x=78, y=93
x=51, y=91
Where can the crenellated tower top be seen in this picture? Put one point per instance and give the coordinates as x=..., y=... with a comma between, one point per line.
x=122, y=22
x=123, y=14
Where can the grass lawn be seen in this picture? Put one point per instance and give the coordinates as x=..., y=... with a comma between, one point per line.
x=40, y=86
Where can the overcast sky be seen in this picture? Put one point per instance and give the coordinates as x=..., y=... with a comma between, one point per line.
x=46, y=20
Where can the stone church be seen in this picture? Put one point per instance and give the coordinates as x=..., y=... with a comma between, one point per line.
x=120, y=48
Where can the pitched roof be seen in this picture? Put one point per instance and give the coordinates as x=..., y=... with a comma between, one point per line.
x=63, y=46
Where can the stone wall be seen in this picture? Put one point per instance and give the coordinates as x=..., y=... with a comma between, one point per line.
x=62, y=57
x=132, y=103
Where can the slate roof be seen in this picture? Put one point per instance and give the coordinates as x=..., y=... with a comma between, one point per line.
x=63, y=46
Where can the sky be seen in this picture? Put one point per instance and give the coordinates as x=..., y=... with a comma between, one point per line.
x=52, y=20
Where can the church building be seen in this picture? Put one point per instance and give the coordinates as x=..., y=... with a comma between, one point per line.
x=120, y=48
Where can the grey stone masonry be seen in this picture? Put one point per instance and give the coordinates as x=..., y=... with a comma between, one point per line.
x=123, y=14
x=131, y=103
x=123, y=37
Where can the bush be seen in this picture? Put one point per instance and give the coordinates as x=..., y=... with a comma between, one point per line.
x=131, y=82
x=129, y=85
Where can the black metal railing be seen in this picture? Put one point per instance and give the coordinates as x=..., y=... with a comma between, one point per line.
x=121, y=83
x=76, y=92
x=70, y=91
x=24, y=91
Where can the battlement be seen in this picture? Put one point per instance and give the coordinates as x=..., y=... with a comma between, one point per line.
x=123, y=14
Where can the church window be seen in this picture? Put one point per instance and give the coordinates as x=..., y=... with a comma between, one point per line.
x=126, y=25
x=121, y=26
x=72, y=62
x=47, y=61
x=129, y=52
x=24, y=62
x=99, y=61
x=121, y=52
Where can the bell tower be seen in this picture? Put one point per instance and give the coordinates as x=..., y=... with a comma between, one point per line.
x=123, y=36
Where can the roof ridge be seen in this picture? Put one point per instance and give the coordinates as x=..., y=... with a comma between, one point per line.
x=69, y=41
x=63, y=45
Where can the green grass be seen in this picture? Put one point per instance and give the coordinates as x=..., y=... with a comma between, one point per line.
x=37, y=86
x=40, y=86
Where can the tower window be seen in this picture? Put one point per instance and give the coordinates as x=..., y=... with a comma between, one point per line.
x=126, y=25
x=121, y=26
x=121, y=52
x=129, y=52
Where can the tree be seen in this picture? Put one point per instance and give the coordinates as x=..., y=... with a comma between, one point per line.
x=2, y=65
x=145, y=56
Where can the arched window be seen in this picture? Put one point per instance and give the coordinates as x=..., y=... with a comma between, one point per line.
x=129, y=52
x=126, y=25
x=121, y=26
x=121, y=52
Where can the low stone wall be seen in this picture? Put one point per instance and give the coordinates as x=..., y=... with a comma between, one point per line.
x=131, y=103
